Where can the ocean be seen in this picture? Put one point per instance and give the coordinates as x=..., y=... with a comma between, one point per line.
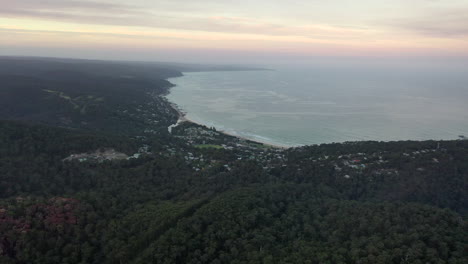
x=324, y=103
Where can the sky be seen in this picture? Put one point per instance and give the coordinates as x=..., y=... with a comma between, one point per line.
x=233, y=30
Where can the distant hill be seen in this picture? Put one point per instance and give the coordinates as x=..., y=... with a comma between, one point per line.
x=42, y=67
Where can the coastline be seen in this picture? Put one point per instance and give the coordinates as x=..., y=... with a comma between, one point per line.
x=183, y=118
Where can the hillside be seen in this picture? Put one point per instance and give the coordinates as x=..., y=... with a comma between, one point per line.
x=90, y=174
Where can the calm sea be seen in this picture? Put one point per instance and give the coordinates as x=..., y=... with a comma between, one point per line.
x=304, y=105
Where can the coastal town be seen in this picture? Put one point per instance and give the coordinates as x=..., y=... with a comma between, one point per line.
x=204, y=148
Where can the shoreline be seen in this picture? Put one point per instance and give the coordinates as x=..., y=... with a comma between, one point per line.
x=183, y=118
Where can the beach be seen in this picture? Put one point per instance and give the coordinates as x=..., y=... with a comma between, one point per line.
x=309, y=106
x=183, y=118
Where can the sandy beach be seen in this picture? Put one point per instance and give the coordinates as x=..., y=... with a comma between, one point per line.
x=183, y=118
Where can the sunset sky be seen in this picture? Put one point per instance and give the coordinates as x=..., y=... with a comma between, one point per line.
x=231, y=30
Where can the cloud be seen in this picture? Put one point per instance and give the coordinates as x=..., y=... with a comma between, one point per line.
x=443, y=24
x=104, y=13
x=7, y=6
x=88, y=12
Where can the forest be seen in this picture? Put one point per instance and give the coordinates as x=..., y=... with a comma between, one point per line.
x=172, y=201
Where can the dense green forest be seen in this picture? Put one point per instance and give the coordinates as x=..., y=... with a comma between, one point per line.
x=110, y=184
